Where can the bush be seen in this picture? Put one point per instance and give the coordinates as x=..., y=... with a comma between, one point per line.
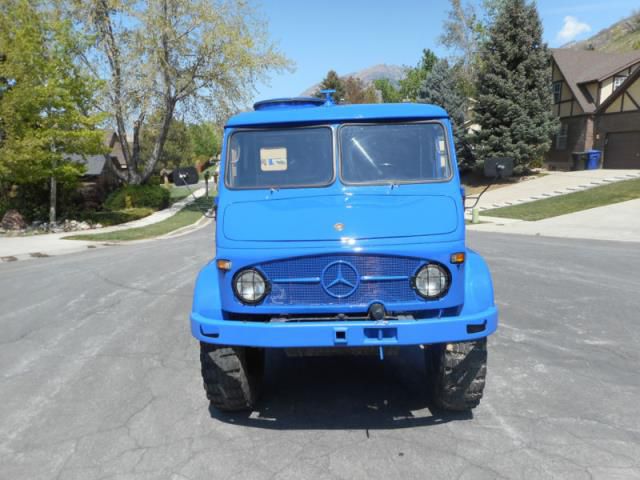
x=32, y=200
x=138, y=196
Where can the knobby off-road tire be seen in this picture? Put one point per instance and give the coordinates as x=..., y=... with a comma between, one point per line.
x=457, y=373
x=231, y=375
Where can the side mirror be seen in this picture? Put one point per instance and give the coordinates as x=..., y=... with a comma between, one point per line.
x=184, y=176
x=498, y=167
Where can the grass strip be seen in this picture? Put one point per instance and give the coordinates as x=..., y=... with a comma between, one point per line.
x=187, y=216
x=573, y=202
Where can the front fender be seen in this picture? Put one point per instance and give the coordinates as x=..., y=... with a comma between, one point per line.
x=206, y=294
x=478, y=287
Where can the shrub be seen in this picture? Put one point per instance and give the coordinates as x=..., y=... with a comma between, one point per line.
x=138, y=196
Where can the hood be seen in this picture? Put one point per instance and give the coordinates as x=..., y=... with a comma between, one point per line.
x=335, y=217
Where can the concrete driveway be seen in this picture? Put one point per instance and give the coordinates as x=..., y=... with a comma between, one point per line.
x=99, y=378
x=617, y=222
x=550, y=185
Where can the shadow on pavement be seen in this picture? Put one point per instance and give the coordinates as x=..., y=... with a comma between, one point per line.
x=345, y=392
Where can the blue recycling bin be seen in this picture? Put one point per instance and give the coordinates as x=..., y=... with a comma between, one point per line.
x=593, y=159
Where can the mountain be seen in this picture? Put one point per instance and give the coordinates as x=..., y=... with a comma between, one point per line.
x=393, y=72
x=622, y=36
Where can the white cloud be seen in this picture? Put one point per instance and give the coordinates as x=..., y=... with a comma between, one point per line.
x=571, y=28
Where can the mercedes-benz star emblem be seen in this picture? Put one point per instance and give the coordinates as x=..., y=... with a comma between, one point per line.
x=340, y=279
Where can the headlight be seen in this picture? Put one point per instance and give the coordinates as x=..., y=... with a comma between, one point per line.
x=250, y=286
x=431, y=281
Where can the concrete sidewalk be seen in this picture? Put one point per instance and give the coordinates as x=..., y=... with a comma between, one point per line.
x=23, y=247
x=617, y=222
x=551, y=185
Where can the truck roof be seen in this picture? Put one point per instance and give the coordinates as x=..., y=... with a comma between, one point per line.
x=294, y=113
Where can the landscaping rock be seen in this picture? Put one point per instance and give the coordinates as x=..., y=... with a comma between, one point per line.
x=12, y=220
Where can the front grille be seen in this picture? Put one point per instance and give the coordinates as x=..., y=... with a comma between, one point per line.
x=341, y=280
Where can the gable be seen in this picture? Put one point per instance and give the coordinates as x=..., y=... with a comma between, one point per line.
x=626, y=98
x=589, y=74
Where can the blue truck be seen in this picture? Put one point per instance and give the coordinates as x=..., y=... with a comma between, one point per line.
x=341, y=227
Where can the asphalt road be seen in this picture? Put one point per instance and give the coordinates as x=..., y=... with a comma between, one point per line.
x=100, y=378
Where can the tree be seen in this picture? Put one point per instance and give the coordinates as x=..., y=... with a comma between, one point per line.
x=514, y=87
x=169, y=56
x=355, y=91
x=178, y=147
x=205, y=138
x=415, y=76
x=389, y=93
x=47, y=99
x=463, y=32
x=442, y=88
x=332, y=82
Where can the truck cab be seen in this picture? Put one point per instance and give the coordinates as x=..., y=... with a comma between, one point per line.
x=338, y=227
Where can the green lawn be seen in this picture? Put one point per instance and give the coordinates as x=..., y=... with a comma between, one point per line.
x=180, y=193
x=187, y=216
x=108, y=218
x=572, y=202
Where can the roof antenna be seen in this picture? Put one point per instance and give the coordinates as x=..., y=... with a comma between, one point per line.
x=328, y=99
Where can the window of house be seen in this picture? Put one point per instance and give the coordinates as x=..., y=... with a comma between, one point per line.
x=561, y=137
x=557, y=92
x=618, y=80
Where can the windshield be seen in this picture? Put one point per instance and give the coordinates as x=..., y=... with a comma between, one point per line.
x=280, y=158
x=394, y=153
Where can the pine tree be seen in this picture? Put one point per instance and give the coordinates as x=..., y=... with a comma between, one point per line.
x=514, y=88
x=332, y=82
x=356, y=91
x=442, y=87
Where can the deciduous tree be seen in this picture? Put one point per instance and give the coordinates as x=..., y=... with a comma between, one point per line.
x=355, y=91
x=415, y=76
x=169, y=56
x=178, y=147
x=47, y=98
x=463, y=32
x=389, y=92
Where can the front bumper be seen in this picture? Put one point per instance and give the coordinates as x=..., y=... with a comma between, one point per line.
x=345, y=333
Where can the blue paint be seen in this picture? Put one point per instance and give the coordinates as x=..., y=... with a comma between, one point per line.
x=337, y=249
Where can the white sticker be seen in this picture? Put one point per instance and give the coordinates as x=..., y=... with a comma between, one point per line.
x=273, y=159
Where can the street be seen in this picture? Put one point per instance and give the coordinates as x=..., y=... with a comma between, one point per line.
x=101, y=377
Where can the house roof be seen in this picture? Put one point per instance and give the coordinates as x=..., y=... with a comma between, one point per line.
x=110, y=137
x=585, y=66
x=337, y=113
x=94, y=163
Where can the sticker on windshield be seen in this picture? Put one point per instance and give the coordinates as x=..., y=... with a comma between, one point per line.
x=273, y=159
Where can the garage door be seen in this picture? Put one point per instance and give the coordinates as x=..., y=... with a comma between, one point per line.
x=622, y=150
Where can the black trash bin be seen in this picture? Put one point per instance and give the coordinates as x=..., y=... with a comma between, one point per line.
x=579, y=160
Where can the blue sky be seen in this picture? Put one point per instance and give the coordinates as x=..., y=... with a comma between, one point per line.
x=349, y=35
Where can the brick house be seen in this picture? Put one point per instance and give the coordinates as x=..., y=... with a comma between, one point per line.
x=596, y=97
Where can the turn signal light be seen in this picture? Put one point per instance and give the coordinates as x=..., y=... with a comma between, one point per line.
x=457, y=258
x=224, y=265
